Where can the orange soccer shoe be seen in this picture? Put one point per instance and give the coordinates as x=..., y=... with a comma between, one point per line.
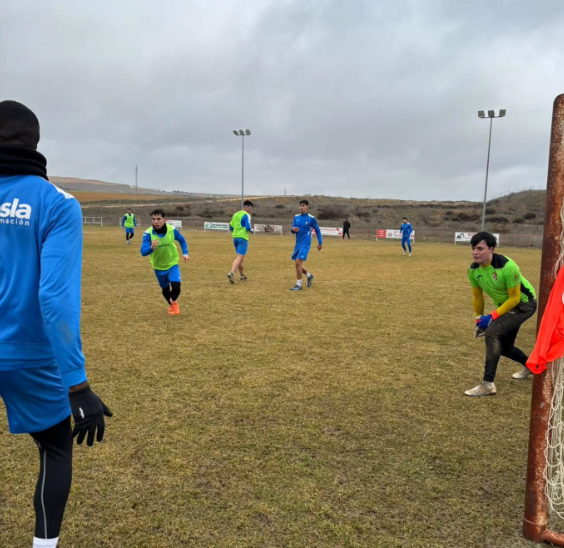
x=176, y=309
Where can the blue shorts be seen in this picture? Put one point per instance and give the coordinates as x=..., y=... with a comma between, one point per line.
x=166, y=277
x=35, y=398
x=301, y=252
x=129, y=230
x=241, y=245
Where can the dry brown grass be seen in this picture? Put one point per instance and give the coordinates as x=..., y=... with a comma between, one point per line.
x=334, y=417
x=86, y=197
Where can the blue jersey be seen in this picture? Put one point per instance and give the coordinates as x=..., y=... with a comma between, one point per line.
x=40, y=276
x=406, y=229
x=306, y=223
x=146, y=243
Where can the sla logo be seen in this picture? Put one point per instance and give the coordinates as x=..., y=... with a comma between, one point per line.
x=15, y=213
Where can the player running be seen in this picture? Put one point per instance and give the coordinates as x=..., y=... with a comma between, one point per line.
x=240, y=227
x=304, y=223
x=515, y=300
x=42, y=375
x=130, y=223
x=158, y=242
x=406, y=229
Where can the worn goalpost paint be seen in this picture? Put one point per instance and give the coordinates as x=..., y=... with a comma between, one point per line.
x=535, y=522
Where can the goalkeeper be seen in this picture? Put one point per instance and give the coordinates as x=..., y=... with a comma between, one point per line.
x=515, y=301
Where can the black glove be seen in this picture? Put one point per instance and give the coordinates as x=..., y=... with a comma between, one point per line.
x=88, y=412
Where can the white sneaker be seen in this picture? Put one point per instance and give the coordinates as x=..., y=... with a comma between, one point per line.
x=522, y=375
x=410, y=254
x=483, y=389
x=404, y=252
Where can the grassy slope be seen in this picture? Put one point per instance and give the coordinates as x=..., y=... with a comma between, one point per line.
x=334, y=417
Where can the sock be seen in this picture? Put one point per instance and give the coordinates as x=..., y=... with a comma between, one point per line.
x=309, y=275
x=299, y=282
x=45, y=542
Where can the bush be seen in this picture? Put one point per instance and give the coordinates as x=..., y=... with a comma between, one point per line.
x=449, y=213
x=331, y=212
x=497, y=219
x=490, y=210
x=518, y=220
x=530, y=215
x=280, y=206
x=455, y=219
x=180, y=208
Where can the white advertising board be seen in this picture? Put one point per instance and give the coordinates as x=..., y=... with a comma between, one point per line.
x=396, y=234
x=174, y=223
x=467, y=236
x=329, y=231
x=216, y=226
x=268, y=229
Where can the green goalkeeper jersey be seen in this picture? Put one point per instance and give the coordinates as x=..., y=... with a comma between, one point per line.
x=502, y=273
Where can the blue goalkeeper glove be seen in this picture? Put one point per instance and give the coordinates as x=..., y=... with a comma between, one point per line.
x=483, y=322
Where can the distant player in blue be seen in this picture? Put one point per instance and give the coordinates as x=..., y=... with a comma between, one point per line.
x=159, y=243
x=304, y=223
x=406, y=229
x=130, y=223
x=42, y=375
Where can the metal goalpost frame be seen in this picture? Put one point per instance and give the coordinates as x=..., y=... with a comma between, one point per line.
x=93, y=221
x=535, y=521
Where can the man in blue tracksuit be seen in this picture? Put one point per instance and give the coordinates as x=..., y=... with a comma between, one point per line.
x=42, y=375
x=304, y=223
x=406, y=229
x=129, y=221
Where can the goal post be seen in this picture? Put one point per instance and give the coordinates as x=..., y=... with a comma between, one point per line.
x=92, y=221
x=543, y=432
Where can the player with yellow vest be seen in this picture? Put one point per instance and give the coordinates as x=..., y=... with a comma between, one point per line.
x=159, y=244
x=129, y=222
x=240, y=226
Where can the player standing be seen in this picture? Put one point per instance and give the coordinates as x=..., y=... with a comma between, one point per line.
x=515, y=300
x=42, y=375
x=346, y=228
x=406, y=229
x=240, y=227
x=303, y=224
x=130, y=223
x=159, y=244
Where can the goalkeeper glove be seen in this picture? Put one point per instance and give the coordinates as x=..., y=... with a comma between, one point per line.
x=483, y=322
x=88, y=412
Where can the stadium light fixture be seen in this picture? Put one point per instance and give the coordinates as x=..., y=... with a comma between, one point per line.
x=242, y=134
x=491, y=115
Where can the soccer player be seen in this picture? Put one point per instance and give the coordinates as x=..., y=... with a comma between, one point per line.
x=515, y=301
x=406, y=229
x=158, y=242
x=304, y=223
x=130, y=223
x=42, y=375
x=240, y=226
x=346, y=228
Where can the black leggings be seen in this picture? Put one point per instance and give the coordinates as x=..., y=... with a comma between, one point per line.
x=346, y=233
x=128, y=236
x=171, y=294
x=55, y=477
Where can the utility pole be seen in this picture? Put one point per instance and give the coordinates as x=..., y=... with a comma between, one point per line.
x=136, y=179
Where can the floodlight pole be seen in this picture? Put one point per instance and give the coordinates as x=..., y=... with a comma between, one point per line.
x=241, y=133
x=487, y=171
x=135, y=179
x=242, y=170
x=491, y=116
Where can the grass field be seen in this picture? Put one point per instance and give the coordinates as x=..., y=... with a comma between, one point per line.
x=260, y=417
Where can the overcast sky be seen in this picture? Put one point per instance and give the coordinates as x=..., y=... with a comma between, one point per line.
x=361, y=98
